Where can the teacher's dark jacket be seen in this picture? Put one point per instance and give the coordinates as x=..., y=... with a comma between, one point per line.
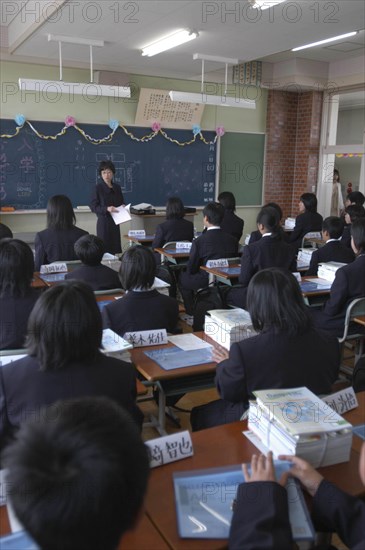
x=25, y=389
x=14, y=317
x=106, y=229
x=99, y=277
x=53, y=245
x=232, y=224
x=307, y=222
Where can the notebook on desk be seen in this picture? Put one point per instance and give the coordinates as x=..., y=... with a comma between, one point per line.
x=52, y=277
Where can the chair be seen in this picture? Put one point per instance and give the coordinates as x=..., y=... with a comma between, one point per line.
x=354, y=309
x=312, y=237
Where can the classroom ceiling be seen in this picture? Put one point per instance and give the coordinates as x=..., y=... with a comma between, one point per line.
x=229, y=29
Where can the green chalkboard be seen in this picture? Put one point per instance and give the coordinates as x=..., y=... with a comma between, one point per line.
x=241, y=167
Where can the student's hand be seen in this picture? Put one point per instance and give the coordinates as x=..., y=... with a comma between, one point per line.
x=112, y=209
x=219, y=354
x=262, y=468
x=302, y=470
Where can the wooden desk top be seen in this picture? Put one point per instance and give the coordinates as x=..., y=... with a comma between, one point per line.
x=153, y=372
x=144, y=537
x=360, y=319
x=171, y=252
x=231, y=272
x=140, y=240
x=319, y=292
x=37, y=282
x=221, y=446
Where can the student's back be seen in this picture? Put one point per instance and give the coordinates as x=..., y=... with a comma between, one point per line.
x=231, y=223
x=175, y=227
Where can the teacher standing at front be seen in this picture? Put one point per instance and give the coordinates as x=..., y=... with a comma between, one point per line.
x=106, y=197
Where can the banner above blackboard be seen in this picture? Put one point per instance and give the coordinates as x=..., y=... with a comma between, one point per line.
x=32, y=169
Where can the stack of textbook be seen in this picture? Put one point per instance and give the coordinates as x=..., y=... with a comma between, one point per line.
x=289, y=223
x=328, y=270
x=227, y=326
x=297, y=422
x=304, y=257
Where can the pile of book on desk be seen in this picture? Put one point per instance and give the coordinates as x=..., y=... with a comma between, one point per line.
x=328, y=270
x=289, y=223
x=304, y=257
x=227, y=326
x=297, y=422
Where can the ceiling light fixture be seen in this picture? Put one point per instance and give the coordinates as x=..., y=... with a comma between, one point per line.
x=81, y=88
x=167, y=42
x=205, y=98
x=326, y=41
x=264, y=4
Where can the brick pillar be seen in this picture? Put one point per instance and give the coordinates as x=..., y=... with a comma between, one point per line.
x=292, y=147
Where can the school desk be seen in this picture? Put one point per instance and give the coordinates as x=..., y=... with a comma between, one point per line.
x=145, y=241
x=172, y=382
x=226, y=275
x=37, y=282
x=144, y=537
x=360, y=320
x=177, y=257
x=315, y=297
x=222, y=446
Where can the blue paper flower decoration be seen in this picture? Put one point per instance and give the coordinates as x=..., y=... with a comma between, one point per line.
x=113, y=124
x=196, y=129
x=20, y=120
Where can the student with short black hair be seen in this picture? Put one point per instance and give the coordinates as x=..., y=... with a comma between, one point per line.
x=175, y=228
x=90, y=250
x=213, y=244
x=64, y=359
x=143, y=307
x=57, y=241
x=107, y=195
x=5, y=232
x=355, y=197
x=84, y=468
x=333, y=250
x=269, y=251
x=308, y=220
x=352, y=212
x=17, y=298
x=349, y=284
x=287, y=352
x=231, y=223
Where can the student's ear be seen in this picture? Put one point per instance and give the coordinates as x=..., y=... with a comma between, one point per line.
x=261, y=227
x=325, y=235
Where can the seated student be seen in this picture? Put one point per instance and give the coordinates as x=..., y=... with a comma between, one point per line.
x=333, y=250
x=90, y=250
x=287, y=352
x=358, y=377
x=269, y=251
x=64, y=359
x=256, y=235
x=349, y=284
x=5, y=232
x=142, y=308
x=355, y=197
x=352, y=213
x=57, y=241
x=212, y=244
x=17, y=298
x=231, y=223
x=308, y=220
x=84, y=468
x=175, y=228
x=261, y=518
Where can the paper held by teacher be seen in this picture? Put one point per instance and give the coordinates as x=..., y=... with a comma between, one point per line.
x=122, y=215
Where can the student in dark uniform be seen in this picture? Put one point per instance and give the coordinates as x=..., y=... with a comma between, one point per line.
x=57, y=241
x=5, y=232
x=308, y=220
x=261, y=518
x=269, y=251
x=355, y=197
x=106, y=197
x=17, y=298
x=64, y=359
x=90, y=250
x=175, y=228
x=213, y=244
x=231, y=223
x=256, y=235
x=85, y=469
x=286, y=353
x=349, y=284
x=352, y=213
x=333, y=250
x=142, y=308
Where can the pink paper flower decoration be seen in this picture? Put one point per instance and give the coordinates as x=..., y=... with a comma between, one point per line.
x=70, y=121
x=156, y=126
x=220, y=131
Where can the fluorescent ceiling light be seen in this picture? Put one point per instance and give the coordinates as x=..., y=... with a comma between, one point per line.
x=264, y=4
x=78, y=88
x=171, y=41
x=206, y=99
x=326, y=41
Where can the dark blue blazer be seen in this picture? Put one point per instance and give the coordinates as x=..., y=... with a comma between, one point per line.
x=305, y=223
x=99, y=277
x=14, y=319
x=52, y=245
x=173, y=230
x=106, y=229
x=232, y=224
x=333, y=251
x=141, y=311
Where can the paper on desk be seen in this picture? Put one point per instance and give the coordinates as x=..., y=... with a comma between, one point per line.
x=319, y=281
x=188, y=342
x=122, y=215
